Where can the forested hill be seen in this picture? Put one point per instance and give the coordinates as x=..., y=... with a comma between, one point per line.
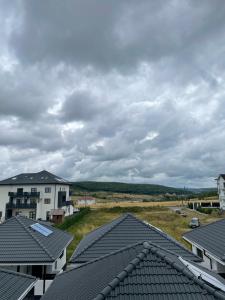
x=118, y=187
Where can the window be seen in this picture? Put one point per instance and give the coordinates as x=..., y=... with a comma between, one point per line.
x=47, y=215
x=19, y=191
x=33, y=190
x=32, y=201
x=32, y=215
x=56, y=265
x=47, y=190
x=47, y=201
x=0, y=214
x=199, y=253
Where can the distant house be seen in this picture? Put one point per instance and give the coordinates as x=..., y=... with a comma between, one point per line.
x=140, y=271
x=34, y=195
x=33, y=248
x=208, y=242
x=86, y=201
x=16, y=286
x=221, y=190
x=121, y=232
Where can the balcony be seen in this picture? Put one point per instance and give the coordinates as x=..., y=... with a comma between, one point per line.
x=11, y=205
x=24, y=194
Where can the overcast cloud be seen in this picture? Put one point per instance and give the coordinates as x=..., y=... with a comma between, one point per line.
x=111, y=90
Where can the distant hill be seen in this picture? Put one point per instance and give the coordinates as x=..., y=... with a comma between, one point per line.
x=129, y=188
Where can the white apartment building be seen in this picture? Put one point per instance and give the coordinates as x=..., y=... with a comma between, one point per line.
x=34, y=195
x=221, y=190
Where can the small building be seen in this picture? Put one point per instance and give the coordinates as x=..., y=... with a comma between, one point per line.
x=208, y=242
x=86, y=201
x=57, y=215
x=34, y=195
x=119, y=233
x=221, y=190
x=16, y=286
x=33, y=248
x=140, y=271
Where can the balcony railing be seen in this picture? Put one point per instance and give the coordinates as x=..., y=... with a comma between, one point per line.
x=24, y=194
x=10, y=205
x=69, y=203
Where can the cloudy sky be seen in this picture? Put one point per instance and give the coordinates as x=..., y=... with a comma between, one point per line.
x=123, y=90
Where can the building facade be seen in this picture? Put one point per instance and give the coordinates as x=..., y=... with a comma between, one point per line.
x=221, y=190
x=34, y=195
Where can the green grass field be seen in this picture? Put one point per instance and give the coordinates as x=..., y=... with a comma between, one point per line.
x=162, y=217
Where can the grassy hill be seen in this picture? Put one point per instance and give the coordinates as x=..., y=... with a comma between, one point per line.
x=129, y=188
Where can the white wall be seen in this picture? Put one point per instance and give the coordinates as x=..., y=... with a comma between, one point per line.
x=221, y=191
x=42, y=208
x=209, y=262
x=4, y=198
x=57, y=266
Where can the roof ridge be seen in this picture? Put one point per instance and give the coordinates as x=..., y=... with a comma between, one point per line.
x=185, y=272
x=35, y=238
x=17, y=273
x=120, y=277
x=162, y=233
x=123, y=217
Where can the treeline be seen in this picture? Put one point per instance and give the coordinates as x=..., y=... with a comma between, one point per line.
x=128, y=188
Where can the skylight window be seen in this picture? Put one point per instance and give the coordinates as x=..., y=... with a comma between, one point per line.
x=14, y=178
x=41, y=229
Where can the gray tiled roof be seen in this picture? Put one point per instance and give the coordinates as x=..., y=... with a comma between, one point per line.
x=19, y=243
x=13, y=285
x=138, y=272
x=43, y=177
x=124, y=231
x=210, y=237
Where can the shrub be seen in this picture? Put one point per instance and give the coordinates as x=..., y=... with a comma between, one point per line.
x=71, y=220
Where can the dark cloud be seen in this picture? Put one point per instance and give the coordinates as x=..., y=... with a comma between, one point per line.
x=119, y=34
x=113, y=90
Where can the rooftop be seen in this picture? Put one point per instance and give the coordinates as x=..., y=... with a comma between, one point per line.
x=141, y=271
x=121, y=232
x=43, y=177
x=14, y=286
x=20, y=243
x=210, y=237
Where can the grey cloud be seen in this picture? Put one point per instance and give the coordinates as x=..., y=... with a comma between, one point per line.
x=81, y=106
x=119, y=34
x=126, y=90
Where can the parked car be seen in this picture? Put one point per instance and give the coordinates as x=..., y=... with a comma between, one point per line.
x=194, y=223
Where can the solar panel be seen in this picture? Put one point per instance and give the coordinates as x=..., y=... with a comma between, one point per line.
x=41, y=229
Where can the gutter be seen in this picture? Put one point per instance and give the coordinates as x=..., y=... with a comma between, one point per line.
x=27, y=290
